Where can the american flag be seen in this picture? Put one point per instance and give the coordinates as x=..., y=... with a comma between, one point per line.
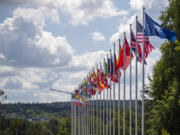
x=148, y=47
x=139, y=52
x=140, y=34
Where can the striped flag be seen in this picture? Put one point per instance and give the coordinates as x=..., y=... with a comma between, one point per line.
x=148, y=48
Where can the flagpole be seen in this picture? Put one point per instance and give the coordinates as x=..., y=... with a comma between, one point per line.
x=97, y=123
x=114, y=93
x=124, y=98
x=72, y=115
x=91, y=116
x=75, y=116
x=107, y=103
x=90, y=108
x=130, y=103
x=100, y=100
x=87, y=107
x=110, y=96
x=78, y=113
x=136, y=90
x=119, y=101
x=104, y=104
x=143, y=77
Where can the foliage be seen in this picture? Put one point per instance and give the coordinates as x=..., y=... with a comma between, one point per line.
x=164, y=117
x=16, y=126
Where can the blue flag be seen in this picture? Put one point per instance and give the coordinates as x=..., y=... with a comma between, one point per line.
x=154, y=29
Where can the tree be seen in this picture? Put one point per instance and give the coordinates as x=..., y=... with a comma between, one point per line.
x=164, y=118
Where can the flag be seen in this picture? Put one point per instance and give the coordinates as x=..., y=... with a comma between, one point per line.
x=133, y=41
x=117, y=61
x=115, y=74
x=148, y=47
x=127, y=54
x=99, y=80
x=152, y=28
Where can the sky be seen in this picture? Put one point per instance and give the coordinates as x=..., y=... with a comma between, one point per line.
x=54, y=44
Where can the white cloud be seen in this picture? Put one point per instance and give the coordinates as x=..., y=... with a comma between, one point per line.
x=123, y=27
x=138, y=4
x=29, y=44
x=97, y=36
x=81, y=11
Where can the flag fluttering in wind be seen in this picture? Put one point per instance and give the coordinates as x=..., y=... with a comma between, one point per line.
x=139, y=51
x=117, y=61
x=127, y=56
x=148, y=47
x=152, y=28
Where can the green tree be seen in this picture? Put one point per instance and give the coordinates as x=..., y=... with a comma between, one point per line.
x=53, y=125
x=164, y=118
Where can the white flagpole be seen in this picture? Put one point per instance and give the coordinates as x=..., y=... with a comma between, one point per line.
x=114, y=94
x=86, y=116
x=97, y=123
x=104, y=105
x=79, y=119
x=143, y=77
x=91, y=132
x=91, y=121
x=124, y=98
x=72, y=115
x=107, y=103
x=119, y=101
x=94, y=111
x=136, y=90
x=75, y=115
x=110, y=97
x=130, y=96
x=100, y=100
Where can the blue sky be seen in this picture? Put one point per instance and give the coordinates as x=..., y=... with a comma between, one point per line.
x=54, y=44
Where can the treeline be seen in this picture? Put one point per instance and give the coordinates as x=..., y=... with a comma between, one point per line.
x=17, y=126
x=60, y=109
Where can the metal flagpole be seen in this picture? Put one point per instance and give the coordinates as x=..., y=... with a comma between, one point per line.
x=80, y=119
x=100, y=100
x=87, y=118
x=130, y=96
x=93, y=115
x=143, y=79
x=75, y=116
x=80, y=129
x=97, y=123
x=119, y=101
x=107, y=103
x=90, y=108
x=100, y=114
x=78, y=113
x=114, y=93
x=103, y=108
x=72, y=115
x=136, y=90
x=124, y=98
x=110, y=97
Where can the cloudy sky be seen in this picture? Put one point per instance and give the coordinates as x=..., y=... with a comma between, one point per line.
x=54, y=43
